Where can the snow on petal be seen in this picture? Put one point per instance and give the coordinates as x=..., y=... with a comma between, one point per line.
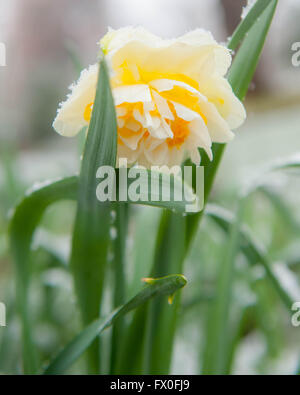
x=171, y=96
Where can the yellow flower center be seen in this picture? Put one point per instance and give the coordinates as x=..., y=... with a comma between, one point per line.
x=179, y=128
x=88, y=112
x=129, y=74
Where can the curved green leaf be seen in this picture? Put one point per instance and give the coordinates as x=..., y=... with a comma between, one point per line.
x=239, y=76
x=119, y=278
x=23, y=223
x=169, y=257
x=156, y=287
x=246, y=23
x=287, y=163
x=91, y=237
x=216, y=353
x=245, y=62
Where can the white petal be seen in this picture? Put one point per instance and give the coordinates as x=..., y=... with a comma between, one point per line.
x=132, y=141
x=158, y=155
x=138, y=116
x=133, y=125
x=129, y=154
x=167, y=128
x=237, y=114
x=199, y=136
x=220, y=93
x=70, y=120
x=165, y=84
x=217, y=126
x=121, y=122
x=195, y=156
x=184, y=112
x=175, y=156
x=132, y=94
x=188, y=55
x=162, y=106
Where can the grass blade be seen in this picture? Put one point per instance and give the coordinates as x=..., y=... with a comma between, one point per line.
x=156, y=287
x=153, y=325
x=246, y=23
x=245, y=62
x=162, y=319
x=216, y=353
x=23, y=223
x=239, y=76
x=92, y=224
x=119, y=262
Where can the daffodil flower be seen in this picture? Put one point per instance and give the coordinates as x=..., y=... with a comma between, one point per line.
x=171, y=96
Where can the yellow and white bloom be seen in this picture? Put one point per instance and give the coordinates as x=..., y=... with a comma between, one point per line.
x=171, y=96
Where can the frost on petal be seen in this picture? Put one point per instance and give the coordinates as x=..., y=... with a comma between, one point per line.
x=171, y=96
x=70, y=115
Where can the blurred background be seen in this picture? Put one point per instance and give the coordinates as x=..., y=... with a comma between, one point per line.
x=46, y=42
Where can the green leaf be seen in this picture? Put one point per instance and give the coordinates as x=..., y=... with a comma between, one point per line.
x=239, y=76
x=162, y=319
x=119, y=278
x=25, y=220
x=152, y=335
x=287, y=163
x=221, y=344
x=245, y=62
x=246, y=23
x=23, y=223
x=156, y=287
x=146, y=221
x=91, y=237
x=216, y=355
x=252, y=250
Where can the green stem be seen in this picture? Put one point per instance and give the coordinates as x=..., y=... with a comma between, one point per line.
x=162, y=318
x=91, y=240
x=119, y=263
x=216, y=352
